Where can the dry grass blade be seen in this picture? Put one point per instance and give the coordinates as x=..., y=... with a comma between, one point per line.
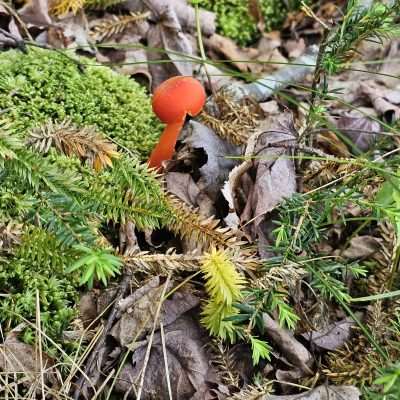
x=84, y=143
x=115, y=25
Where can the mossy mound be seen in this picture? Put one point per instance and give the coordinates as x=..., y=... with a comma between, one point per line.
x=235, y=21
x=43, y=85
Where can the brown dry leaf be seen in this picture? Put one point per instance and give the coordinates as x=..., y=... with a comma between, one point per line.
x=391, y=66
x=291, y=348
x=139, y=309
x=9, y=23
x=185, y=13
x=167, y=34
x=184, y=187
x=231, y=51
x=261, y=59
x=331, y=144
x=333, y=336
x=295, y=48
x=18, y=357
x=36, y=12
x=189, y=368
x=275, y=177
x=216, y=170
x=322, y=392
x=362, y=131
x=383, y=106
x=362, y=247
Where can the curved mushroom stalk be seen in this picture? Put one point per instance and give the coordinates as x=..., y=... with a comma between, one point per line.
x=166, y=146
x=172, y=100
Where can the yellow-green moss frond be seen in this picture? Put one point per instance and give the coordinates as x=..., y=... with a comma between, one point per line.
x=223, y=282
x=213, y=318
x=62, y=7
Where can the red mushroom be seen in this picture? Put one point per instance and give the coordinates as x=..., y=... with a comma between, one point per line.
x=172, y=100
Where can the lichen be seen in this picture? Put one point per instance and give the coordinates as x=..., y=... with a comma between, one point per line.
x=235, y=21
x=43, y=85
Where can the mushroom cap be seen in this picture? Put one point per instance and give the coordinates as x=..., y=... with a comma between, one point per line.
x=178, y=96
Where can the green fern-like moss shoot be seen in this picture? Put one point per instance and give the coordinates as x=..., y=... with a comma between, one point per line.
x=61, y=190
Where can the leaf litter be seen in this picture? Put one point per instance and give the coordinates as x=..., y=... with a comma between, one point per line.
x=244, y=163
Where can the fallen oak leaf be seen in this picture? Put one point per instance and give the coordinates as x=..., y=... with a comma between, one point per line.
x=333, y=336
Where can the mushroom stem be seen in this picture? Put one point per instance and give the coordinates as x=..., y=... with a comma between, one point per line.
x=166, y=146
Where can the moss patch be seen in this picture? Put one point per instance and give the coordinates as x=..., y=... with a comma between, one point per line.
x=43, y=85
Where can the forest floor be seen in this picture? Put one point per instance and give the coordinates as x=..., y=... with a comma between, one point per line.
x=260, y=262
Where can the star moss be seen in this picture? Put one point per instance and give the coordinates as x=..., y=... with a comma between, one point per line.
x=43, y=85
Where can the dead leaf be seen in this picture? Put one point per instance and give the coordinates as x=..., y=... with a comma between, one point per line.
x=231, y=51
x=391, y=67
x=18, y=357
x=295, y=48
x=322, y=392
x=333, y=336
x=168, y=35
x=216, y=170
x=185, y=13
x=291, y=348
x=189, y=367
x=361, y=247
x=362, y=131
x=183, y=186
x=376, y=95
x=69, y=33
x=88, y=308
x=139, y=310
x=275, y=177
x=36, y=12
x=261, y=59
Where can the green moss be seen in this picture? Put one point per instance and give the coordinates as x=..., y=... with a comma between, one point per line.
x=43, y=85
x=235, y=21
x=38, y=263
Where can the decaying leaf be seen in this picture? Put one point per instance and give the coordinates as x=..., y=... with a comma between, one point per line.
x=361, y=247
x=189, y=369
x=216, y=170
x=362, y=131
x=167, y=34
x=36, y=12
x=321, y=393
x=22, y=360
x=333, y=336
x=291, y=348
x=260, y=59
x=184, y=187
x=274, y=174
x=185, y=13
x=139, y=311
x=382, y=105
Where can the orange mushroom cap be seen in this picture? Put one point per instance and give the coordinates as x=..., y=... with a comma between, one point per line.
x=178, y=96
